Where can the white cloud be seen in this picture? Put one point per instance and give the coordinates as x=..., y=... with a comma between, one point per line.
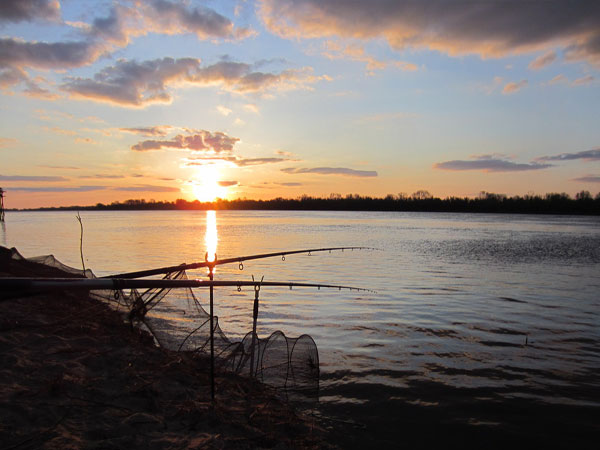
x=223, y=110
x=250, y=107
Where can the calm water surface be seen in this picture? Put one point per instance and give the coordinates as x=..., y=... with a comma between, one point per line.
x=488, y=308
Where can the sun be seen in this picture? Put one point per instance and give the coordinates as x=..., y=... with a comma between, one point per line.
x=206, y=185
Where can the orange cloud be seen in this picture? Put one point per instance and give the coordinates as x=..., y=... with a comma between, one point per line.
x=356, y=52
x=543, y=60
x=558, y=79
x=583, y=81
x=228, y=183
x=159, y=130
x=588, y=79
x=5, y=142
x=512, y=87
x=85, y=140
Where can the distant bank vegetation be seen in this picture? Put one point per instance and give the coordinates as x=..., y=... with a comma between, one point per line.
x=485, y=202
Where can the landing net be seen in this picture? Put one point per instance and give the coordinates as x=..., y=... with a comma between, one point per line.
x=178, y=322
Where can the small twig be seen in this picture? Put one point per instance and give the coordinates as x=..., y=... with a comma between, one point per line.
x=78, y=217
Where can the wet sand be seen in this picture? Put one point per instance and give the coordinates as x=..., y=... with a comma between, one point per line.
x=74, y=375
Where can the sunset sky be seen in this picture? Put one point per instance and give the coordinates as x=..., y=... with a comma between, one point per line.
x=157, y=99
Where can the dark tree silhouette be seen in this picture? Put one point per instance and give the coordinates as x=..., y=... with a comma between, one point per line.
x=422, y=200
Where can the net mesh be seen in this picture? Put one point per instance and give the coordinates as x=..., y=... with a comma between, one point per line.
x=178, y=322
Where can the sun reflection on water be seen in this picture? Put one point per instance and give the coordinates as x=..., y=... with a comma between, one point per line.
x=211, y=238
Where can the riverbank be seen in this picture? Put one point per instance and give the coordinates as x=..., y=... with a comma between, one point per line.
x=73, y=374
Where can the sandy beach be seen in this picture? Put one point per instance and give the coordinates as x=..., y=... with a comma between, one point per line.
x=74, y=374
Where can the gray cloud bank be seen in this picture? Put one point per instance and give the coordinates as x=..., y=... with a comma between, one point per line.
x=125, y=20
x=199, y=140
x=499, y=163
x=164, y=17
x=101, y=176
x=58, y=189
x=17, y=53
x=588, y=179
x=332, y=171
x=488, y=28
x=147, y=188
x=489, y=165
x=137, y=84
x=31, y=178
x=587, y=155
x=138, y=188
x=276, y=185
x=29, y=10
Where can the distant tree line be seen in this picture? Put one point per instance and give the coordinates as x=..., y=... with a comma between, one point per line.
x=485, y=202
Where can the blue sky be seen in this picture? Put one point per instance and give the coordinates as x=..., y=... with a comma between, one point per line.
x=110, y=100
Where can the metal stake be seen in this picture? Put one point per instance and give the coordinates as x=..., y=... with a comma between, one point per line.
x=212, y=332
x=254, y=319
x=1, y=205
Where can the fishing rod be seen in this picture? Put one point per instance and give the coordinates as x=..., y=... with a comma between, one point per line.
x=49, y=284
x=237, y=259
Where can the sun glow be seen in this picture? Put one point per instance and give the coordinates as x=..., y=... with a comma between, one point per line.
x=206, y=185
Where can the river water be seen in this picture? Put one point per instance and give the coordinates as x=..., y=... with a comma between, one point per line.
x=479, y=321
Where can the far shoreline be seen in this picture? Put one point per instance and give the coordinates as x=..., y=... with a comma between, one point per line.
x=550, y=204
